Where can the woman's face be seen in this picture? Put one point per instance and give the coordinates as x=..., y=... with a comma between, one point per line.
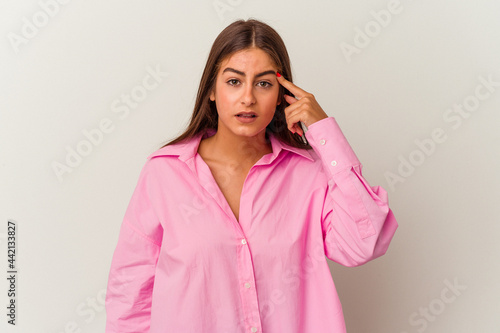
x=246, y=82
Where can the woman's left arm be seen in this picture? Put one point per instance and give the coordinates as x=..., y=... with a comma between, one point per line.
x=357, y=222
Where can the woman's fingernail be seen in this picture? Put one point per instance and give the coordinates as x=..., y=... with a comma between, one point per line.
x=278, y=74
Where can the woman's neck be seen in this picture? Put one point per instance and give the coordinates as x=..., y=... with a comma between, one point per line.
x=235, y=149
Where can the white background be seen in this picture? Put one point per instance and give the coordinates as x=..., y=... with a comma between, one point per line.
x=396, y=89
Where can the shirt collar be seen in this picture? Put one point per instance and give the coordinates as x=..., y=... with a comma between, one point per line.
x=189, y=148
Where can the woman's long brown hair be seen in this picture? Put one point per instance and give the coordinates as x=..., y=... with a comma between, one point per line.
x=238, y=36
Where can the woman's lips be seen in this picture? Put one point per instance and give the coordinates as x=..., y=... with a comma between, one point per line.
x=246, y=114
x=246, y=117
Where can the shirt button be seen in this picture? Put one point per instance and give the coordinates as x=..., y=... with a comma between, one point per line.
x=253, y=329
x=247, y=285
x=243, y=241
x=322, y=142
x=334, y=163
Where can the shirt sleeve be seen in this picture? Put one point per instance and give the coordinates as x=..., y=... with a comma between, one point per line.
x=131, y=277
x=357, y=222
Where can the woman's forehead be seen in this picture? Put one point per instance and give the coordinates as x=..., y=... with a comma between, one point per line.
x=248, y=60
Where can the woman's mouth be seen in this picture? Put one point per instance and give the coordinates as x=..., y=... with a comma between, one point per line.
x=246, y=117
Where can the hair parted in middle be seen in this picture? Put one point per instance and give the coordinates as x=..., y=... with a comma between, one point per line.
x=238, y=36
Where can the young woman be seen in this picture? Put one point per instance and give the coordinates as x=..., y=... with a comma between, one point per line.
x=230, y=224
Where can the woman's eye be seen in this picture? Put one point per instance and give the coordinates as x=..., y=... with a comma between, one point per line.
x=233, y=82
x=264, y=84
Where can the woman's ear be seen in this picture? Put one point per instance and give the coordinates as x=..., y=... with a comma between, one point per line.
x=212, y=95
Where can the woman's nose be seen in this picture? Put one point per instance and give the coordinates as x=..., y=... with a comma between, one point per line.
x=248, y=97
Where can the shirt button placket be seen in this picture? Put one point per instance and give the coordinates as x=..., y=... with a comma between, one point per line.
x=248, y=294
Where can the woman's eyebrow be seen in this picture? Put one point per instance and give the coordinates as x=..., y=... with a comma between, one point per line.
x=229, y=69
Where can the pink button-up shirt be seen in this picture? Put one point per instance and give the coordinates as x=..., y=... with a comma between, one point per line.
x=184, y=264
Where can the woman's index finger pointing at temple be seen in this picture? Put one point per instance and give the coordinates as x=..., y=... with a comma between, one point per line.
x=298, y=92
